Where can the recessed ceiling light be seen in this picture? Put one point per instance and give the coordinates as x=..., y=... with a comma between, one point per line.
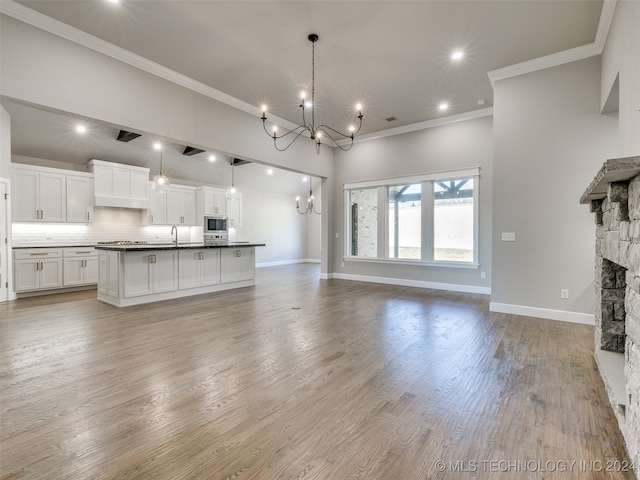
x=113, y=1
x=212, y=158
x=270, y=171
x=305, y=179
x=481, y=101
x=81, y=129
x=157, y=146
x=443, y=106
x=457, y=55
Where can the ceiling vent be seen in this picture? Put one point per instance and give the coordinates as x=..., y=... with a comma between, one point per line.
x=239, y=161
x=189, y=151
x=124, y=136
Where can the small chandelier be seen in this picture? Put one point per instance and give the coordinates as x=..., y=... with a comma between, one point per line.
x=310, y=208
x=316, y=132
x=160, y=182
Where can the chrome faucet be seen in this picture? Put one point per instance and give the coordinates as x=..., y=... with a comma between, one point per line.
x=175, y=240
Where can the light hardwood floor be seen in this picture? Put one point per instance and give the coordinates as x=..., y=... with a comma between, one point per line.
x=300, y=378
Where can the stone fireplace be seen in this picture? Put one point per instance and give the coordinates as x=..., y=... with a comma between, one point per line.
x=614, y=196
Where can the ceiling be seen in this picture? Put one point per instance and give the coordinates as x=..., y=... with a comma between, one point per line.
x=392, y=56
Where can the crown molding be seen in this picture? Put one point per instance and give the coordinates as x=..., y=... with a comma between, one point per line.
x=566, y=56
x=437, y=122
x=60, y=29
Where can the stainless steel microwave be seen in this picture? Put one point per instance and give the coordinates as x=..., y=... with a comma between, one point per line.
x=216, y=224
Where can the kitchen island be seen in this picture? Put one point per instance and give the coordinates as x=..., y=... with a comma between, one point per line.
x=136, y=274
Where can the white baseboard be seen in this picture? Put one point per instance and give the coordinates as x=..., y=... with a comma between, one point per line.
x=549, y=314
x=287, y=262
x=452, y=287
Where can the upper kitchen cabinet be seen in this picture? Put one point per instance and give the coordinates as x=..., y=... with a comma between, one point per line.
x=79, y=198
x=39, y=194
x=176, y=206
x=181, y=205
x=117, y=185
x=210, y=201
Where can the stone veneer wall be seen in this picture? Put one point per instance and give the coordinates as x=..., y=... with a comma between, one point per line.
x=617, y=324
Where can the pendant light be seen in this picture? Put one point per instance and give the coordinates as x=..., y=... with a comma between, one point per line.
x=232, y=191
x=160, y=182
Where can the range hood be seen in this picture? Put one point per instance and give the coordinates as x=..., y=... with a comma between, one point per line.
x=118, y=185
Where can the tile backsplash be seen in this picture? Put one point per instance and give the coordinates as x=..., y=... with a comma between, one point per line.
x=109, y=224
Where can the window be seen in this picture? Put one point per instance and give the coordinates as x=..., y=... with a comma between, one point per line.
x=363, y=233
x=405, y=219
x=453, y=220
x=427, y=219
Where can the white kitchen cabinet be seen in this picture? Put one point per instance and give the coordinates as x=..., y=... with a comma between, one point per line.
x=181, y=205
x=151, y=272
x=157, y=208
x=210, y=201
x=237, y=264
x=80, y=266
x=79, y=198
x=37, y=269
x=39, y=194
x=117, y=185
x=198, y=268
x=108, y=274
x=234, y=210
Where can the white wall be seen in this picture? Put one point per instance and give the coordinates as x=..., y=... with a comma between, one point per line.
x=621, y=58
x=450, y=147
x=271, y=218
x=5, y=144
x=549, y=142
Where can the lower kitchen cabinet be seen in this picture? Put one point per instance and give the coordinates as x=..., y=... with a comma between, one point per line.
x=237, y=264
x=37, y=269
x=51, y=268
x=146, y=273
x=198, y=268
x=80, y=267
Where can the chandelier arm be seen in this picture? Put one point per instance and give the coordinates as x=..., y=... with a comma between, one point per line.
x=275, y=139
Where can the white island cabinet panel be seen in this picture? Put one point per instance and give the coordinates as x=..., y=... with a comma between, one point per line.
x=199, y=268
x=131, y=276
x=237, y=265
x=146, y=273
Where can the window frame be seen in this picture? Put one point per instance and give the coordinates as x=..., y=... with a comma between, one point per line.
x=427, y=229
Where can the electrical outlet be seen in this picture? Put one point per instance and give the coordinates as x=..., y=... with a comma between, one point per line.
x=564, y=293
x=337, y=235
x=508, y=237
x=483, y=275
x=342, y=264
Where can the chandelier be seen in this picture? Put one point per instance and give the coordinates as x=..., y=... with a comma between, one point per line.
x=316, y=132
x=310, y=208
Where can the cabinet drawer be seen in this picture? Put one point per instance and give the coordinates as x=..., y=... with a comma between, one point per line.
x=36, y=253
x=80, y=252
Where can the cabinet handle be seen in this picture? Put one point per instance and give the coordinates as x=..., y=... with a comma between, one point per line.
x=83, y=253
x=88, y=216
x=151, y=218
x=152, y=259
x=41, y=214
x=38, y=254
x=84, y=263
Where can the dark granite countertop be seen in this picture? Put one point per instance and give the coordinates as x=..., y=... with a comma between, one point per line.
x=14, y=247
x=170, y=246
